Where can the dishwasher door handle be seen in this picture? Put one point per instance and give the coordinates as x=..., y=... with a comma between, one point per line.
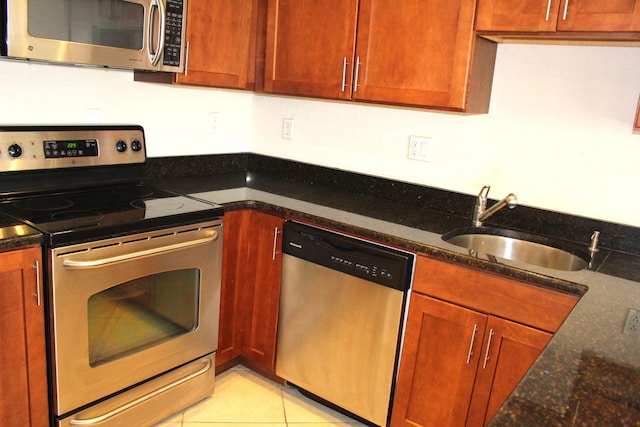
x=276, y=231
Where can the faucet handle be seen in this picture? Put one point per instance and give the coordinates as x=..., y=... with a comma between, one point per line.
x=483, y=196
x=594, y=241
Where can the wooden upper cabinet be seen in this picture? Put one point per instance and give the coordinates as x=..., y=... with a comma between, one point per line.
x=221, y=43
x=558, y=15
x=310, y=47
x=417, y=53
x=598, y=15
x=406, y=52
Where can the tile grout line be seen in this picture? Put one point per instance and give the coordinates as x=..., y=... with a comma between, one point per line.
x=284, y=409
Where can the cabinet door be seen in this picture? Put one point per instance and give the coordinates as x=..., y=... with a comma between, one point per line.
x=23, y=370
x=508, y=352
x=310, y=47
x=263, y=267
x=221, y=37
x=517, y=15
x=416, y=52
x=438, y=365
x=598, y=15
x=234, y=256
x=558, y=15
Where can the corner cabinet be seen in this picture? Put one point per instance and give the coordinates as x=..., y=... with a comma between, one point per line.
x=558, y=15
x=403, y=52
x=23, y=378
x=250, y=292
x=470, y=337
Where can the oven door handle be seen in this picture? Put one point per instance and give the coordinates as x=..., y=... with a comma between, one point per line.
x=70, y=263
x=141, y=399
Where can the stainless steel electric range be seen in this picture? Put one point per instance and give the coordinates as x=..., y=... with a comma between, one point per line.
x=132, y=273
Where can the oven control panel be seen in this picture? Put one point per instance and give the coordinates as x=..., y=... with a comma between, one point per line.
x=54, y=147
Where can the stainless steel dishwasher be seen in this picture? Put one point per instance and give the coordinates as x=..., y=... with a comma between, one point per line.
x=341, y=313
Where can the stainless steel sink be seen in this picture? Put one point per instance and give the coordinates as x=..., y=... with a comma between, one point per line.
x=521, y=247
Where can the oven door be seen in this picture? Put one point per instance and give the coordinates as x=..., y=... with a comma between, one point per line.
x=127, y=309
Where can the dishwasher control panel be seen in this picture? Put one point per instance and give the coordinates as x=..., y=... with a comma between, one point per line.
x=361, y=258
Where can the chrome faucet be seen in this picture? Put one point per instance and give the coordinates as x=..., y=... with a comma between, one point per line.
x=481, y=213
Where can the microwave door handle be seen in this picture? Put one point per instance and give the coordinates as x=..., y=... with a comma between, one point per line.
x=154, y=55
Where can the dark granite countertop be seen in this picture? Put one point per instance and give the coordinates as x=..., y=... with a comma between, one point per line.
x=588, y=375
x=15, y=235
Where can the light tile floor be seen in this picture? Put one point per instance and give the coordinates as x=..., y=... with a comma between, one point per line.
x=243, y=398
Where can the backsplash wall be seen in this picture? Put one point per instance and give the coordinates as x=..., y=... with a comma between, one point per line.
x=558, y=133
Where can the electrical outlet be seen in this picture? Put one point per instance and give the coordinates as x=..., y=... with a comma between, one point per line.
x=632, y=324
x=214, y=122
x=287, y=128
x=419, y=148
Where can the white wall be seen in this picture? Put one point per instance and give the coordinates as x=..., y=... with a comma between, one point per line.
x=175, y=118
x=558, y=133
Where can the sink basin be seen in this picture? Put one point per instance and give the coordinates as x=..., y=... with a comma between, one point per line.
x=521, y=247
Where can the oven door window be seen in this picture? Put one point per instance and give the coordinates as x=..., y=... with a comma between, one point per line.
x=138, y=314
x=114, y=23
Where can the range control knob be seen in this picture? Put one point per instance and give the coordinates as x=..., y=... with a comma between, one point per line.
x=136, y=145
x=121, y=146
x=15, y=150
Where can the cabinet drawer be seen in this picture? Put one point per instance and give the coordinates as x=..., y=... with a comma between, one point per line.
x=527, y=304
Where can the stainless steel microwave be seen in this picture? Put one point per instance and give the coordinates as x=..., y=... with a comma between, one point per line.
x=133, y=34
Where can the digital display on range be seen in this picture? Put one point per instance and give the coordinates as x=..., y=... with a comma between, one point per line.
x=74, y=148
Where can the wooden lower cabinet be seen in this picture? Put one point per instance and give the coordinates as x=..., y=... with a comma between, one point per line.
x=250, y=293
x=508, y=352
x=470, y=338
x=229, y=334
x=438, y=364
x=458, y=365
x=23, y=369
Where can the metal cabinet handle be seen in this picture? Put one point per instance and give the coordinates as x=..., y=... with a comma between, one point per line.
x=566, y=7
x=116, y=411
x=355, y=83
x=186, y=59
x=344, y=74
x=276, y=231
x=473, y=338
x=70, y=263
x=38, y=284
x=154, y=55
x=486, y=353
x=548, y=10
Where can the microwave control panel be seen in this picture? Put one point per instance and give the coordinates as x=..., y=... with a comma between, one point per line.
x=173, y=33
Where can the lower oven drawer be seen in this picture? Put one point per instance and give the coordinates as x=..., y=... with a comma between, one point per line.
x=152, y=401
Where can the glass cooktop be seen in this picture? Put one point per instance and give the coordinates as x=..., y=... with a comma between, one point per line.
x=90, y=214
